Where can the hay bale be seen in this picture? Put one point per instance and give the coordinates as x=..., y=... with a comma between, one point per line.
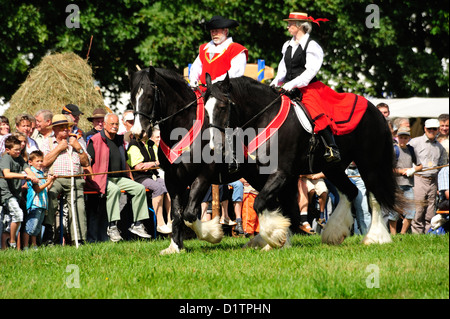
x=59, y=79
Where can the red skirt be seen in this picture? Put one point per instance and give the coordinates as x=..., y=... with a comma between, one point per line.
x=341, y=111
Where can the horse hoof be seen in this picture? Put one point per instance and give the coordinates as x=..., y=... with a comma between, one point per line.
x=335, y=240
x=256, y=242
x=274, y=228
x=172, y=249
x=267, y=248
x=210, y=231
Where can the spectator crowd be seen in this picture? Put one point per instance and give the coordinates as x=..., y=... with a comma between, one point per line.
x=52, y=172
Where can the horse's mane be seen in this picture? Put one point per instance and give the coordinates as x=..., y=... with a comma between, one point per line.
x=245, y=87
x=175, y=81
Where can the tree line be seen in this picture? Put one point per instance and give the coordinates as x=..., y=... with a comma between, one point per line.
x=382, y=49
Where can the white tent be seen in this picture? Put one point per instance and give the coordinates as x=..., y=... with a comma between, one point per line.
x=415, y=107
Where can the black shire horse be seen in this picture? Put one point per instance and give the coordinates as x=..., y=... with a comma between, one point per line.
x=163, y=97
x=247, y=104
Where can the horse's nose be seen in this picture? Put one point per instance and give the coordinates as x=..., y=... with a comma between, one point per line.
x=136, y=129
x=211, y=139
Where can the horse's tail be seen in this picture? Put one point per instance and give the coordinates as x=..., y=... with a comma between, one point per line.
x=377, y=169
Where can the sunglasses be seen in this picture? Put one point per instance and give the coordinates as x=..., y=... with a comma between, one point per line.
x=432, y=128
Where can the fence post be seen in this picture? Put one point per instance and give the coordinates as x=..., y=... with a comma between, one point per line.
x=215, y=201
x=261, y=67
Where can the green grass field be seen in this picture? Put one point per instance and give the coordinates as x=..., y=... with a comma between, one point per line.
x=412, y=266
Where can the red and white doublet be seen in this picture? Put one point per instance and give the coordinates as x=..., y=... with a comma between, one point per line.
x=217, y=60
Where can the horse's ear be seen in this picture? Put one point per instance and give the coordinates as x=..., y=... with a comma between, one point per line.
x=208, y=79
x=226, y=82
x=152, y=73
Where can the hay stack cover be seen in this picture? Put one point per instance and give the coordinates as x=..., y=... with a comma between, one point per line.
x=59, y=79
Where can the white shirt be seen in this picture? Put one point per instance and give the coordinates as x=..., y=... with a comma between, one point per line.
x=237, y=68
x=31, y=145
x=314, y=59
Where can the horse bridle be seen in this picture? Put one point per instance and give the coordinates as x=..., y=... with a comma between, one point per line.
x=156, y=101
x=229, y=104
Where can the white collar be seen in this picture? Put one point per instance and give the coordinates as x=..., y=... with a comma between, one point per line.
x=302, y=42
x=212, y=48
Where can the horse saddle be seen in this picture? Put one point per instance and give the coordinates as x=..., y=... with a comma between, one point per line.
x=307, y=123
x=303, y=116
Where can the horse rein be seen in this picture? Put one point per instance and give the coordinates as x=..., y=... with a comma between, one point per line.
x=179, y=111
x=156, y=101
x=230, y=103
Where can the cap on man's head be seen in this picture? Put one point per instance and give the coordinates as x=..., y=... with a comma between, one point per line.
x=432, y=123
x=403, y=130
x=61, y=119
x=218, y=22
x=98, y=113
x=71, y=109
x=129, y=117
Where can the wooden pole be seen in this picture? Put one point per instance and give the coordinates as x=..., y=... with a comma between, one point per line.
x=215, y=201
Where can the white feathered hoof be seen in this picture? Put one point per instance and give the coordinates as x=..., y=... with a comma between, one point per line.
x=172, y=249
x=210, y=231
x=378, y=232
x=257, y=242
x=274, y=228
x=338, y=226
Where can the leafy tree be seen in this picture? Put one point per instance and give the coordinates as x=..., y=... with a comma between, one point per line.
x=403, y=52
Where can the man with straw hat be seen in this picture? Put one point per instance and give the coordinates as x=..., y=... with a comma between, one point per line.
x=220, y=55
x=64, y=156
x=97, y=119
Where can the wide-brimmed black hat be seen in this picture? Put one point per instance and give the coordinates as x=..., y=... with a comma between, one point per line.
x=218, y=22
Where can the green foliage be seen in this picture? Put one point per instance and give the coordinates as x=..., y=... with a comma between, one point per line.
x=406, y=55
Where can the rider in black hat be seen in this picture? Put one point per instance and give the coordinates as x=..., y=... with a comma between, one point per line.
x=220, y=55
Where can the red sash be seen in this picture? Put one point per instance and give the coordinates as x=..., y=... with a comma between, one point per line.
x=272, y=127
x=173, y=153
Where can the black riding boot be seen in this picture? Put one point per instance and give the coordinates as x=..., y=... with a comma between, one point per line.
x=331, y=149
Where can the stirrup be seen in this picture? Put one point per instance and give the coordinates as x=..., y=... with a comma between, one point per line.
x=332, y=155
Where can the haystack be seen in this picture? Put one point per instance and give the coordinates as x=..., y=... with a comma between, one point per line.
x=59, y=79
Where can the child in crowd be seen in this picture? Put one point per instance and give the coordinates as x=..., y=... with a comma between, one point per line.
x=4, y=125
x=37, y=199
x=406, y=166
x=15, y=169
